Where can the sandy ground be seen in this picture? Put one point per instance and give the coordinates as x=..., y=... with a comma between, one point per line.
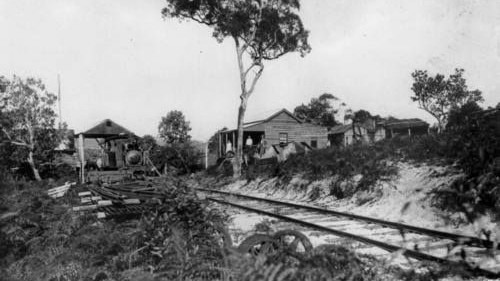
x=405, y=198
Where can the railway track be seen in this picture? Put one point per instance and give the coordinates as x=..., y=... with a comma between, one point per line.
x=412, y=241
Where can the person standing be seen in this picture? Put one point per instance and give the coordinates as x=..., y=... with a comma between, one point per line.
x=262, y=146
x=229, y=146
x=249, y=141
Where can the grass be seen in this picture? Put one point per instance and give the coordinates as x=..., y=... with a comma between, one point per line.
x=42, y=239
x=182, y=239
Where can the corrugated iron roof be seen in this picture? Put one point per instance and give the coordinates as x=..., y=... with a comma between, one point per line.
x=406, y=123
x=107, y=128
x=340, y=129
x=249, y=124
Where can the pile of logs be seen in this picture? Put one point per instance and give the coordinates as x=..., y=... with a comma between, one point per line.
x=59, y=191
x=123, y=199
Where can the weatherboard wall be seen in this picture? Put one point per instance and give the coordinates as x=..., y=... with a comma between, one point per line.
x=299, y=132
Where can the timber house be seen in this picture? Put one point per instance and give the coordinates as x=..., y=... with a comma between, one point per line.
x=280, y=128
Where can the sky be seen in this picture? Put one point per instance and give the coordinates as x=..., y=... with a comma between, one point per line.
x=121, y=60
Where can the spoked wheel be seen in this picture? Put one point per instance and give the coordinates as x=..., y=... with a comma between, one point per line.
x=259, y=244
x=293, y=242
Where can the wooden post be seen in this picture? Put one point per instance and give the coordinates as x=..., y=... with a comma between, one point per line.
x=82, y=158
x=206, y=156
x=409, y=132
x=219, y=145
x=225, y=142
x=234, y=143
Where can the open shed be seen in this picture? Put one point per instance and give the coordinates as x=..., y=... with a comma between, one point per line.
x=109, y=142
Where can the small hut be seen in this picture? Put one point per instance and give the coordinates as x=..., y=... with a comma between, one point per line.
x=106, y=146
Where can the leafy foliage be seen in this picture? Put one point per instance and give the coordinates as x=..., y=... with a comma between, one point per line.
x=270, y=29
x=42, y=239
x=184, y=157
x=319, y=110
x=474, y=143
x=261, y=30
x=371, y=162
x=174, y=128
x=438, y=95
x=213, y=141
x=183, y=237
x=27, y=121
x=147, y=143
x=459, y=117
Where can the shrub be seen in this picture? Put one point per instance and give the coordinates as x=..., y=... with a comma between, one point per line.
x=42, y=239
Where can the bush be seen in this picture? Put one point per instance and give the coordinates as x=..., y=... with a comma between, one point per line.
x=372, y=162
x=475, y=145
x=42, y=239
x=184, y=157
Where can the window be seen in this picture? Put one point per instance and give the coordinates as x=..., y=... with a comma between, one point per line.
x=283, y=138
x=108, y=123
x=314, y=143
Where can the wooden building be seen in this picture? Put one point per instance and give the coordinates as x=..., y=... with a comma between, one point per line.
x=372, y=131
x=112, y=143
x=280, y=128
x=113, y=148
x=342, y=135
x=405, y=127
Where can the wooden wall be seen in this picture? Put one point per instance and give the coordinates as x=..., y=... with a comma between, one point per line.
x=299, y=132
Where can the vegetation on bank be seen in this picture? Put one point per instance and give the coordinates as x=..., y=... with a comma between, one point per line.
x=42, y=239
x=182, y=239
x=470, y=143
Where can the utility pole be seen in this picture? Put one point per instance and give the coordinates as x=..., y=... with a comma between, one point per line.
x=59, y=100
x=206, y=155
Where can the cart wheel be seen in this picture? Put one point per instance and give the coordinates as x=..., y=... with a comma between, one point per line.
x=293, y=241
x=259, y=244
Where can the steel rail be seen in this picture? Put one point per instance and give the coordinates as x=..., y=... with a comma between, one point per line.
x=388, y=247
x=460, y=239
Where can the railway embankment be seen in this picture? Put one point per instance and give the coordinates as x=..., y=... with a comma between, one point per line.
x=408, y=194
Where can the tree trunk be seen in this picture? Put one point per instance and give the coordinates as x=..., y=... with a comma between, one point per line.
x=440, y=126
x=31, y=147
x=239, y=143
x=245, y=94
x=31, y=162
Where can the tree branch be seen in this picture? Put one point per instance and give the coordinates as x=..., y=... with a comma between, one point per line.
x=14, y=142
x=256, y=78
x=250, y=68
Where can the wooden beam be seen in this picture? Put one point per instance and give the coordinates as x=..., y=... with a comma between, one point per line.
x=82, y=157
x=206, y=156
x=234, y=143
x=219, y=140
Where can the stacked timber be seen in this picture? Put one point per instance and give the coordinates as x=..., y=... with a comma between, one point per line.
x=59, y=191
x=121, y=199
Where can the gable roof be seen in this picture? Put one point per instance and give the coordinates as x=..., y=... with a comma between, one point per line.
x=107, y=128
x=283, y=110
x=254, y=124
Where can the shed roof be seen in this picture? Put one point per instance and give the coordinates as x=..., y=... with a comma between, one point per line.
x=406, y=123
x=107, y=128
x=340, y=129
